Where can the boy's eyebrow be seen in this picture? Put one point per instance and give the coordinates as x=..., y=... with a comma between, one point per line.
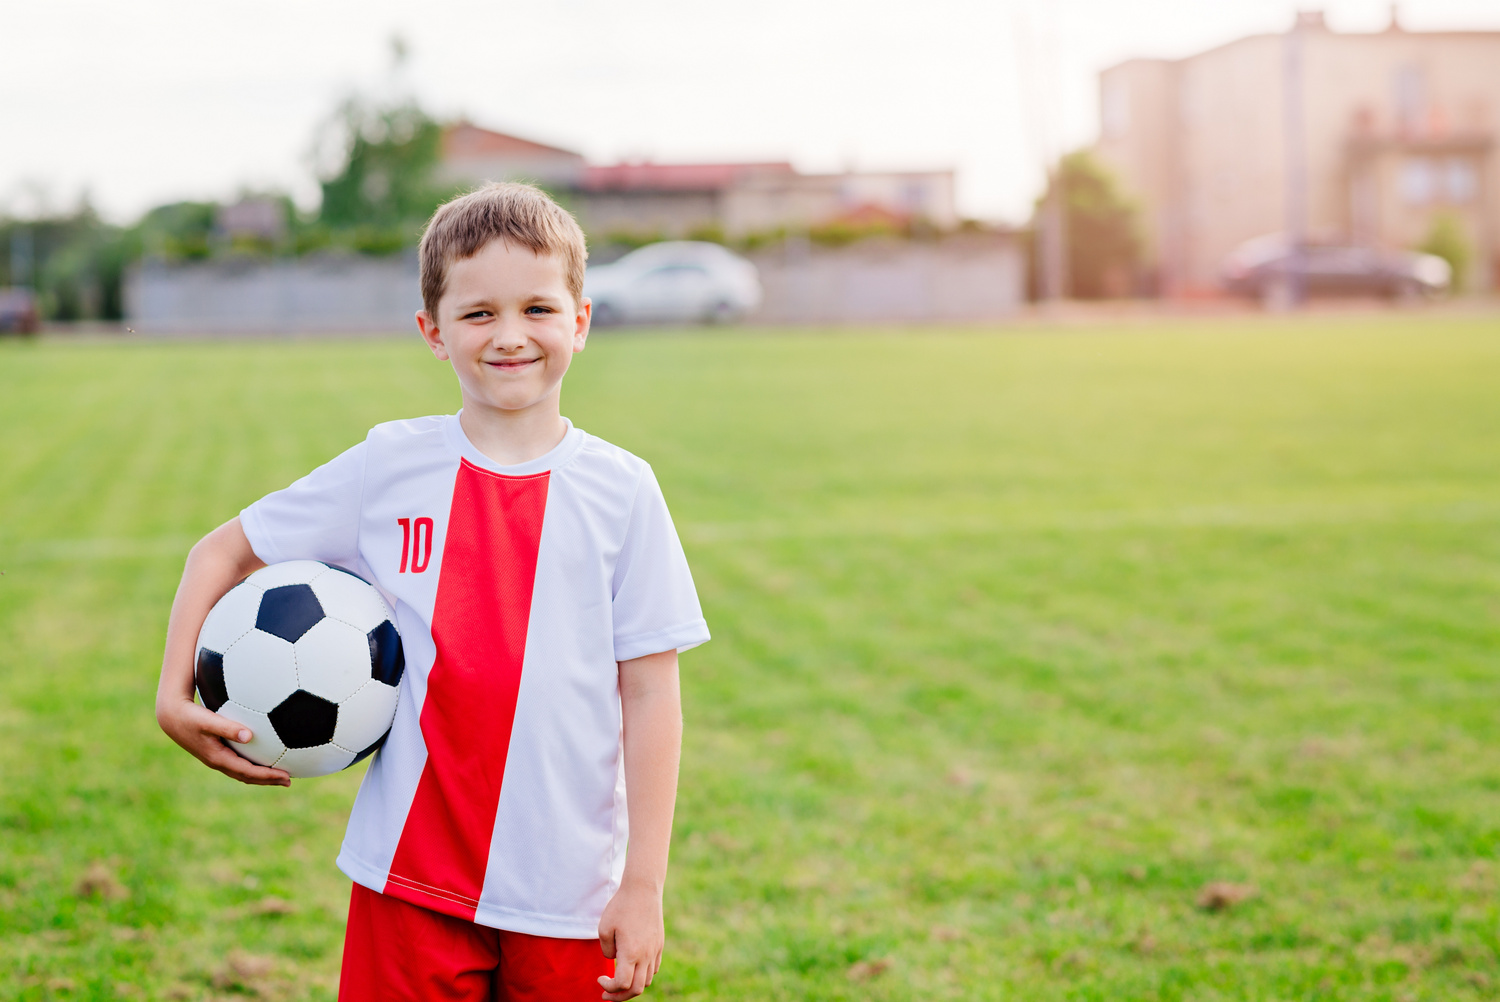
x=485, y=300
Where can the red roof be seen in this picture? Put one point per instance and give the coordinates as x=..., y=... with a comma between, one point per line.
x=468, y=140
x=674, y=177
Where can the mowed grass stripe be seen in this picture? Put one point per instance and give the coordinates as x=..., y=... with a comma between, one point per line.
x=1020, y=639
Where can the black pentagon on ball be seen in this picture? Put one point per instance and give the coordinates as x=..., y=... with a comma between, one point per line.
x=303, y=720
x=387, y=661
x=209, y=675
x=288, y=612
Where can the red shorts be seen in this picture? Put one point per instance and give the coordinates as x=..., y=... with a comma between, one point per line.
x=396, y=952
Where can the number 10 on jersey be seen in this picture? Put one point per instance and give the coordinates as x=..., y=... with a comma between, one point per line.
x=416, y=543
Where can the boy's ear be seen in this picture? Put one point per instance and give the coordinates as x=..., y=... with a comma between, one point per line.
x=584, y=318
x=432, y=335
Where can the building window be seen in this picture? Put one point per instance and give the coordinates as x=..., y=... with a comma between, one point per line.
x=913, y=196
x=1460, y=180
x=1116, y=109
x=1411, y=96
x=1417, y=181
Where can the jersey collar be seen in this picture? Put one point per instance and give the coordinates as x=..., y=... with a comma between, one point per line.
x=572, y=441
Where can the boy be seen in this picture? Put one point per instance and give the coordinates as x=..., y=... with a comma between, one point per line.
x=542, y=597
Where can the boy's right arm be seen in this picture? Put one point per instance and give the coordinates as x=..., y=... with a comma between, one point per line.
x=219, y=562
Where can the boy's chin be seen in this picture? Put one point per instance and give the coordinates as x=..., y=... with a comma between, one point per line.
x=508, y=403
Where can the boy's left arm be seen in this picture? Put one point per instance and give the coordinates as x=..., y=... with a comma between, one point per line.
x=631, y=929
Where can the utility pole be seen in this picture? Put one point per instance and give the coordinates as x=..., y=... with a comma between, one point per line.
x=1053, y=237
x=1294, y=121
x=1037, y=72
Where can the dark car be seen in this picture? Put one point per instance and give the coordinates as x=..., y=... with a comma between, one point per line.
x=17, y=311
x=1268, y=269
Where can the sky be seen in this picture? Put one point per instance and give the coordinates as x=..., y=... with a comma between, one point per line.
x=136, y=104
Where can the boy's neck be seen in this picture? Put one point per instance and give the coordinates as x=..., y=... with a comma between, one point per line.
x=509, y=438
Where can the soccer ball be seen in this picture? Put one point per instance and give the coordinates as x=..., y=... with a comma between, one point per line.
x=306, y=655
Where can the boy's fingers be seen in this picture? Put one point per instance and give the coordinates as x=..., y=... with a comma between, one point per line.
x=256, y=775
x=607, y=943
x=273, y=778
x=237, y=732
x=219, y=726
x=624, y=969
x=229, y=730
x=628, y=982
x=619, y=987
x=244, y=770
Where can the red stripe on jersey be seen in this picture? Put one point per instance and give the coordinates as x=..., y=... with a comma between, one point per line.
x=479, y=628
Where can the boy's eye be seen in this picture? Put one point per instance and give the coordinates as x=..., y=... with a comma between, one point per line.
x=538, y=309
x=476, y=313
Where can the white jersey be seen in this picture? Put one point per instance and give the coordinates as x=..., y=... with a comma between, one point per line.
x=499, y=796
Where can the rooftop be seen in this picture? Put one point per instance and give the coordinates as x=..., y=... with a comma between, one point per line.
x=675, y=177
x=466, y=139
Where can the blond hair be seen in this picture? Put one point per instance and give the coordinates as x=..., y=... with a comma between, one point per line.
x=520, y=214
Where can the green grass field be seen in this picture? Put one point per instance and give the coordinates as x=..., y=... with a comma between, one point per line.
x=1021, y=639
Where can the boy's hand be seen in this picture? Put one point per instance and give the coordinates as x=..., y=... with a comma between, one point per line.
x=221, y=558
x=632, y=934
x=203, y=733
x=631, y=930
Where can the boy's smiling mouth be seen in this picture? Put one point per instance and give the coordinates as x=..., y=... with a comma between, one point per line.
x=512, y=364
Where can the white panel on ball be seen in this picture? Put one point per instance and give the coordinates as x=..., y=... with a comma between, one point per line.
x=333, y=660
x=230, y=619
x=264, y=747
x=259, y=671
x=285, y=573
x=366, y=715
x=351, y=600
x=319, y=761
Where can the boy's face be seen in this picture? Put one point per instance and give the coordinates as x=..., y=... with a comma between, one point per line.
x=509, y=326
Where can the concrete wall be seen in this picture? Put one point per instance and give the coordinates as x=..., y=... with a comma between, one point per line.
x=308, y=295
x=960, y=278
x=955, y=279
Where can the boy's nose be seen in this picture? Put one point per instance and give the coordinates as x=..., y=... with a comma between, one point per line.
x=508, y=336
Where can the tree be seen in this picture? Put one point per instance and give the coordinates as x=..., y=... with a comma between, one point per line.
x=380, y=188
x=1102, y=238
x=72, y=260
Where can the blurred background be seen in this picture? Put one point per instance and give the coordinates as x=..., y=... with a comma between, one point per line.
x=1080, y=418
x=269, y=167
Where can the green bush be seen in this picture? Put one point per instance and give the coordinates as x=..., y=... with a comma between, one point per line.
x=712, y=233
x=1446, y=239
x=842, y=233
x=630, y=239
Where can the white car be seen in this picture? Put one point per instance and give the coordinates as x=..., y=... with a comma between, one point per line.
x=676, y=280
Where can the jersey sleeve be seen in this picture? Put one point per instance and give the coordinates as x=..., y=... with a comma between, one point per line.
x=655, y=604
x=316, y=518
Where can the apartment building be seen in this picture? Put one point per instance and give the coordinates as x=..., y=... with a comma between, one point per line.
x=1364, y=137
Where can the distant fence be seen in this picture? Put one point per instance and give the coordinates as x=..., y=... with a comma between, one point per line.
x=959, y=278
x=293, y=296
